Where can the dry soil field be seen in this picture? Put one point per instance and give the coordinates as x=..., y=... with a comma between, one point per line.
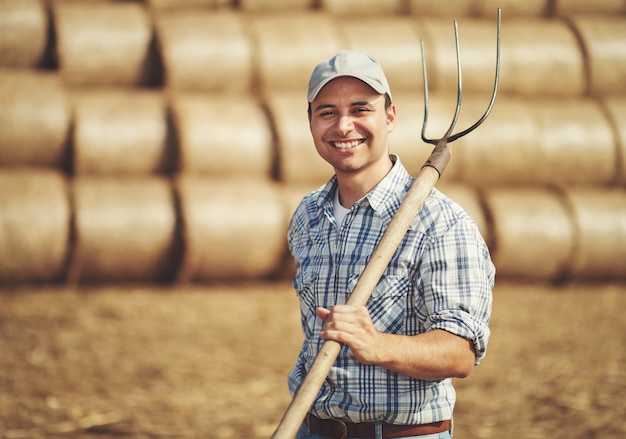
x=210, y=362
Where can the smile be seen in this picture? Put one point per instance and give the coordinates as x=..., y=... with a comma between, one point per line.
x=347, y=145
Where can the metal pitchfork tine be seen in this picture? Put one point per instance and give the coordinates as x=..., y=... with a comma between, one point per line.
x=440, y=157
x=391, y=239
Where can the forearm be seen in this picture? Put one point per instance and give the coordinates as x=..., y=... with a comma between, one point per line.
x=432, y=355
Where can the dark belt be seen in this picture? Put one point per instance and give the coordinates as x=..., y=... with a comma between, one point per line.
x=336, y=429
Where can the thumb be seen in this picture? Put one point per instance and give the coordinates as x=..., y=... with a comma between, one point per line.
x=322, y=313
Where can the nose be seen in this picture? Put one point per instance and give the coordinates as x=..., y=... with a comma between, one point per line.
x=344, y=125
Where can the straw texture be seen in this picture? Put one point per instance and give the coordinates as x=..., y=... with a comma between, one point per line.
x=275, y=5
x=35, y=224
x=600, y=218
x=119, y=131
x=576, y=143
x=533, y=233
x=396, y=47
x=205, y=50
x=600, y=7
x=287, y=50
x=168, y=5
x=125, y=229
x=223, y=135
x=540, y=58
x=362, y=7
x=24, y=34
x=233, y=229
x=603, y=39
x=298, y=161
x=34, y=119
x=616, y=108
x=104, y=43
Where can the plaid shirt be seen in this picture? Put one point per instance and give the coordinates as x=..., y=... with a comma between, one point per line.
x=441, y=277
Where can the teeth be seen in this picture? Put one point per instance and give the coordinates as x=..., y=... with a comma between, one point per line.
x=347, y=145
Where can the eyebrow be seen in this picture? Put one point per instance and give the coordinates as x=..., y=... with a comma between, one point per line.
x=353, y=104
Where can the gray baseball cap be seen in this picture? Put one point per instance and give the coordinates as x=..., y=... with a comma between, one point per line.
x=348, y=63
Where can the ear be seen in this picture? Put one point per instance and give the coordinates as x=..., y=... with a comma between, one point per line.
x=391, y=117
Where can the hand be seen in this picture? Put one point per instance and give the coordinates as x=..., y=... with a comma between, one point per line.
x=352, y=326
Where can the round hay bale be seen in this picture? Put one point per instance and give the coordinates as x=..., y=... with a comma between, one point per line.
x=219, y=135
x=502, y=150
x=125, y=229
x=539, y=58
x=599, y=7
x=532, y=231
x=397, y=48
x=603, y=39
x=449, y=8
x=34, y=119
x=24, y=35
x=478, y=44
x=287, y=50
x=298, y=161
x=600, y=218
x=104, y=43
x=205, y=50
x=121, y=132
x=274, y=5
x=35, y=224
x=576, y=143
x=616, y=108
x=168, y=5
x=374, y=8
x=233, y=229
x=514, y=8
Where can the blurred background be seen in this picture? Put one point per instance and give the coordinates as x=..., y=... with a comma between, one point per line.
x=152, y=152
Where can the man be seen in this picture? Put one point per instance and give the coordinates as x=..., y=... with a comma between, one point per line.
x=427, y=319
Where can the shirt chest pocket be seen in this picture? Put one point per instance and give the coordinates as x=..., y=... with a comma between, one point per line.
x=391, y=304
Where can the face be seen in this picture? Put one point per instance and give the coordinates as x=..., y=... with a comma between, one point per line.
x=350, y=125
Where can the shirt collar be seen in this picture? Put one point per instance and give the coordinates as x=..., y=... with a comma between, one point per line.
x=377, y=197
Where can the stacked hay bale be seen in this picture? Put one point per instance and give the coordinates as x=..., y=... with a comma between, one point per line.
x=168, y=140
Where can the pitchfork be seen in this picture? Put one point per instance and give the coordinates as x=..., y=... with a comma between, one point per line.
x=409, y=208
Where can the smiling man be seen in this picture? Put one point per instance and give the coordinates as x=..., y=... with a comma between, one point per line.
x=427, y=319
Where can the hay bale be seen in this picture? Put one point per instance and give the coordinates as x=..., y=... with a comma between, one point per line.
x=575, y=143
x=599, y=7
x=35, y=224
x=205, y=50
x=478, y=54
x=121, y=132
x=397, y=48
x=287, y=49
x=34, y=119
x=125, y=229
x=375, y=8
x=298, y=161
x=104, y=43
x=233, y=229
x=274, y=5
x=24, y=35
x=532, y=231
x=616, y=110
x=514, y=8
x=539, y=58
x=223, y=135
x=502, y=150
x=599, y=215
x=603, y=40
x=169, y=5
x=449, y=8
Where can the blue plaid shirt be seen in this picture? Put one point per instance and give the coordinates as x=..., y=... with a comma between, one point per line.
x=441, y=277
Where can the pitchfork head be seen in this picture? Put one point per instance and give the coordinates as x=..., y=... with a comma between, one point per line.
x=439, y=158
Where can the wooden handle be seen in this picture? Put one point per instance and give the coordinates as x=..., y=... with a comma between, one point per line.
x=410, y=207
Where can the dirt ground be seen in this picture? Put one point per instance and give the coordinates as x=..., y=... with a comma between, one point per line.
x=211, y=362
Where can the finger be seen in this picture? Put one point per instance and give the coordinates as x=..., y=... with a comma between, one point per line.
x=322, y=313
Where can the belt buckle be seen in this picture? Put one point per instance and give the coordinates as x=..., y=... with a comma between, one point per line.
x=340, y=429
